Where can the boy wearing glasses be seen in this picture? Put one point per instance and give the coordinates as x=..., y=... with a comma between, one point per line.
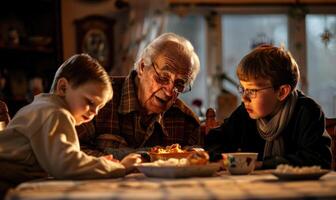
x=275, y=119
x=145, y=110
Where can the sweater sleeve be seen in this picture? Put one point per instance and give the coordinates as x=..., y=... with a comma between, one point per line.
x=56, y=148
x=225, y=138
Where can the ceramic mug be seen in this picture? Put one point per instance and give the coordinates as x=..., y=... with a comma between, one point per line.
x=240, y=163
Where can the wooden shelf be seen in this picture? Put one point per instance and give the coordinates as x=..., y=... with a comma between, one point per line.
x=37, y=52
x=26, y=49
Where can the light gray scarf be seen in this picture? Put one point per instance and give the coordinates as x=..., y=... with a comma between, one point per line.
x=271, y=130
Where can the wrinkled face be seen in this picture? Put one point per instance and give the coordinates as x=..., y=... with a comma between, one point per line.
x=154, y=96
x=85, y=101
x=265, y=100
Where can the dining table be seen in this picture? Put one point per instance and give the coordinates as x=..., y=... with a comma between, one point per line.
x=260, y=184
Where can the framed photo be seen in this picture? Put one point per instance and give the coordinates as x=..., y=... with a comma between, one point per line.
x=94, y=35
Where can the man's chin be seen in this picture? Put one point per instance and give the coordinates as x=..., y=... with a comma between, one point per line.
x=157, y=109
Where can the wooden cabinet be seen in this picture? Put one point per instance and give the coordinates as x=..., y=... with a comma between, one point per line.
x=30, y=49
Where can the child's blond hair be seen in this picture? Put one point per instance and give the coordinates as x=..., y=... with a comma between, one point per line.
x=80, y=69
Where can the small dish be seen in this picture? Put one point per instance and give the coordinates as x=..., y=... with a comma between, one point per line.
x=300, y=176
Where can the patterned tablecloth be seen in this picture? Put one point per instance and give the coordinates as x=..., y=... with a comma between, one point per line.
x=260, y=185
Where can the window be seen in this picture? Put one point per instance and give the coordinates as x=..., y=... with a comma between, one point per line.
x=321, y=59
x=240, y=33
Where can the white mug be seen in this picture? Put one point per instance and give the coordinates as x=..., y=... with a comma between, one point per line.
x=240, y=162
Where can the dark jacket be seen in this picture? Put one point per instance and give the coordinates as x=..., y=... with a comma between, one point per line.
x=305, y=138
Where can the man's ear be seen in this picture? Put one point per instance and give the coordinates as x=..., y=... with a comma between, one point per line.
x=284, y=91
x=61, y=87
x=141, y=67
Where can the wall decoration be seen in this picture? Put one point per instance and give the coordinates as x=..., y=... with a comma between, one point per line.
x=95, y=37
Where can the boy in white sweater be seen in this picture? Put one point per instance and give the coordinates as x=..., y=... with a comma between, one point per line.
x=41, y=139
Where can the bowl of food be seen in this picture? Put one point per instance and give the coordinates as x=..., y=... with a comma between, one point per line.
x=240, y=163
x=164, y=153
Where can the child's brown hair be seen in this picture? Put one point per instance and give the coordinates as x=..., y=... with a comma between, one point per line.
x=272, y=63
x=80, y=69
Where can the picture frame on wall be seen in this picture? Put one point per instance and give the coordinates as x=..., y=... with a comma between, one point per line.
x=94, y=36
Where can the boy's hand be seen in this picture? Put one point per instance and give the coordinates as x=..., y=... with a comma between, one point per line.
x=129, y=162
x=110, y=157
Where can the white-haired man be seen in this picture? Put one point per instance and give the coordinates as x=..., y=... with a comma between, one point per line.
x=145, y=110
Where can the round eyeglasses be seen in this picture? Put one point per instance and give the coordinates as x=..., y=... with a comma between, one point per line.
x=251, y=93
x=180, y=86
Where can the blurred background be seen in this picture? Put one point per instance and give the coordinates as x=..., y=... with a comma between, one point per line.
x=36, y=36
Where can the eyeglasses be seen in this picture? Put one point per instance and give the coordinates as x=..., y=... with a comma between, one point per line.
x=180, y=86
x=251, y=93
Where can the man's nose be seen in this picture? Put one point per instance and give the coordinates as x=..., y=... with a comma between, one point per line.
x=170, y=89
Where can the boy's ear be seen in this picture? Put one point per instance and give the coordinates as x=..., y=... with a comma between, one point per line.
x=62, y=85
x=284, y=91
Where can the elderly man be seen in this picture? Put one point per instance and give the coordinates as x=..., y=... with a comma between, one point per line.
x=145, y=110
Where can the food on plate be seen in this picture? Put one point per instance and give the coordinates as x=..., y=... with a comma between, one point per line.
x=175, y=151
x=198, y=158
x=195, y=158
x=174, y=148
x=171, y=162
x=283, y=168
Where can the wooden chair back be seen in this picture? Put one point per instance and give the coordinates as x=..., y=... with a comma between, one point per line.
x=331, y=128
x=4, y=116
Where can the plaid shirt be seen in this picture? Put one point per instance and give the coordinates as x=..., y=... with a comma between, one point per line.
x=120, y=124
